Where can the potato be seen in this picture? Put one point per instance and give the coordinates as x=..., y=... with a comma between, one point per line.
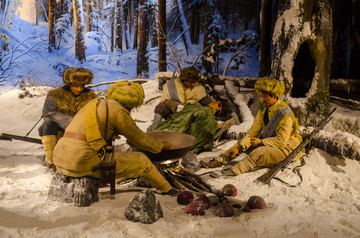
x=185, y=197
x=195, y=209
x=224, y=210
x=256, y=202
x=229, y=190
x=203, y=199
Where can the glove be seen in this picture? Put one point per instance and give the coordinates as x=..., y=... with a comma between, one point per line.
x=179, y=107
x=255, y=141
x=233, y=152
x=166, y=145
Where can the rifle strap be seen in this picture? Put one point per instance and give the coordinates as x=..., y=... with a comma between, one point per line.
x=296, y=170
x=172, y=90
x=272, y=124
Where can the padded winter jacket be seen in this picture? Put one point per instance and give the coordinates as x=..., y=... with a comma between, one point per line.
x=285, y=137
x=75, y=157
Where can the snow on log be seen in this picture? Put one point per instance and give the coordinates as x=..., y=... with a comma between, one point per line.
x=241, y=101
x=335, y=143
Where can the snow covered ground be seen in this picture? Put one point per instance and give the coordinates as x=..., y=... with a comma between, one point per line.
x=325, y=204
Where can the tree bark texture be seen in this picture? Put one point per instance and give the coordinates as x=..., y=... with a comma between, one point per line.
x=355, y=41
x=112, y=28
x=302, y=56
x=117, y=27
x=340, y=144
x=52, y=20
x=142, y=67
x=162, y=35
x=88, y=16
x=79, y=30
x=153, y=22
x=265, y=39
x=125, y=21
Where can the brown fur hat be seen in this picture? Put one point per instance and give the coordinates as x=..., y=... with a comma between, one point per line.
x=190, y=74
x=77, y=75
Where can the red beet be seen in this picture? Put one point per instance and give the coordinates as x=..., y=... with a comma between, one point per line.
x=203, y=199
x=256, y=202
x=195, y=209
x=224, y=210
x=229, y=190
x=185, y=197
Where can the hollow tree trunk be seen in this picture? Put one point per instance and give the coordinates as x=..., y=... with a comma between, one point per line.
x=302, y=56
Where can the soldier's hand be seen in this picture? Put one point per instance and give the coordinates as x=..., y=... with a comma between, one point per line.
x=166, y=145
x=233, y=152
x=255, y=141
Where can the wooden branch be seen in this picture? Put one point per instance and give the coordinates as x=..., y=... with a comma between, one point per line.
x=140, y=81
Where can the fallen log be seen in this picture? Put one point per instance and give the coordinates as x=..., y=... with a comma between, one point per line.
x=339, y=143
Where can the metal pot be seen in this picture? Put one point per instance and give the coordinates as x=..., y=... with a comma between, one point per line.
x=180, y=141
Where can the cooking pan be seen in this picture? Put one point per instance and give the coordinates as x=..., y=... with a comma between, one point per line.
x=181, y=143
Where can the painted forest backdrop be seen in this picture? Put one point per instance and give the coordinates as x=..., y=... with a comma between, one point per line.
x=232, y=37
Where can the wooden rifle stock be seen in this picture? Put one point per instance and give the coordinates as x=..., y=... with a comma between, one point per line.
x=266, y=177
x=10, y=137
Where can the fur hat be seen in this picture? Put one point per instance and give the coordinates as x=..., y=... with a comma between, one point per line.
x=190, y=74
x=128, y=94
x=77, y=75
x=275, y=87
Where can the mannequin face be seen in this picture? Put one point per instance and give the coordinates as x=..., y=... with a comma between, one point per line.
x=189, y=84
x=77, y=88
x=268, y=99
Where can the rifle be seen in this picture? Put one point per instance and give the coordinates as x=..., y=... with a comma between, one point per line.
x=11, y=137
x=265, y=178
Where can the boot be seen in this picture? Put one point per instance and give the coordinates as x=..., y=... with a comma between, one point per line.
x=243, y=166
x=216, y=162
x=157, y=119
x=49, y=143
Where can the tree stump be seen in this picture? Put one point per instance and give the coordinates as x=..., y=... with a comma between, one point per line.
x=79, y=191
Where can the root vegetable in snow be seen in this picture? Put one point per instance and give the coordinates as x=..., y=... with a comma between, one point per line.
x=224, y=210
x=204, y=200
x=185, y=197
x=229, y=190
x=256, y=202
x=195, y=209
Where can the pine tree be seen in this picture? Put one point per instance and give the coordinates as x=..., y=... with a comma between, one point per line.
x=79, y=30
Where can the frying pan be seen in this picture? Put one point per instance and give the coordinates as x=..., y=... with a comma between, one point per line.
x=181, y=142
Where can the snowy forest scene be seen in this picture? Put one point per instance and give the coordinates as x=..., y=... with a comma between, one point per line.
x=307, y=49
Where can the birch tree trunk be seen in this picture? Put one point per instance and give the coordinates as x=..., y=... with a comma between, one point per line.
x=162, y=35
x=184, y=27
x=142, y=69
x=79, y=30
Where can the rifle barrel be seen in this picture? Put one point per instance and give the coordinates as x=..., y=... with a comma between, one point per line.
x=10, y=137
